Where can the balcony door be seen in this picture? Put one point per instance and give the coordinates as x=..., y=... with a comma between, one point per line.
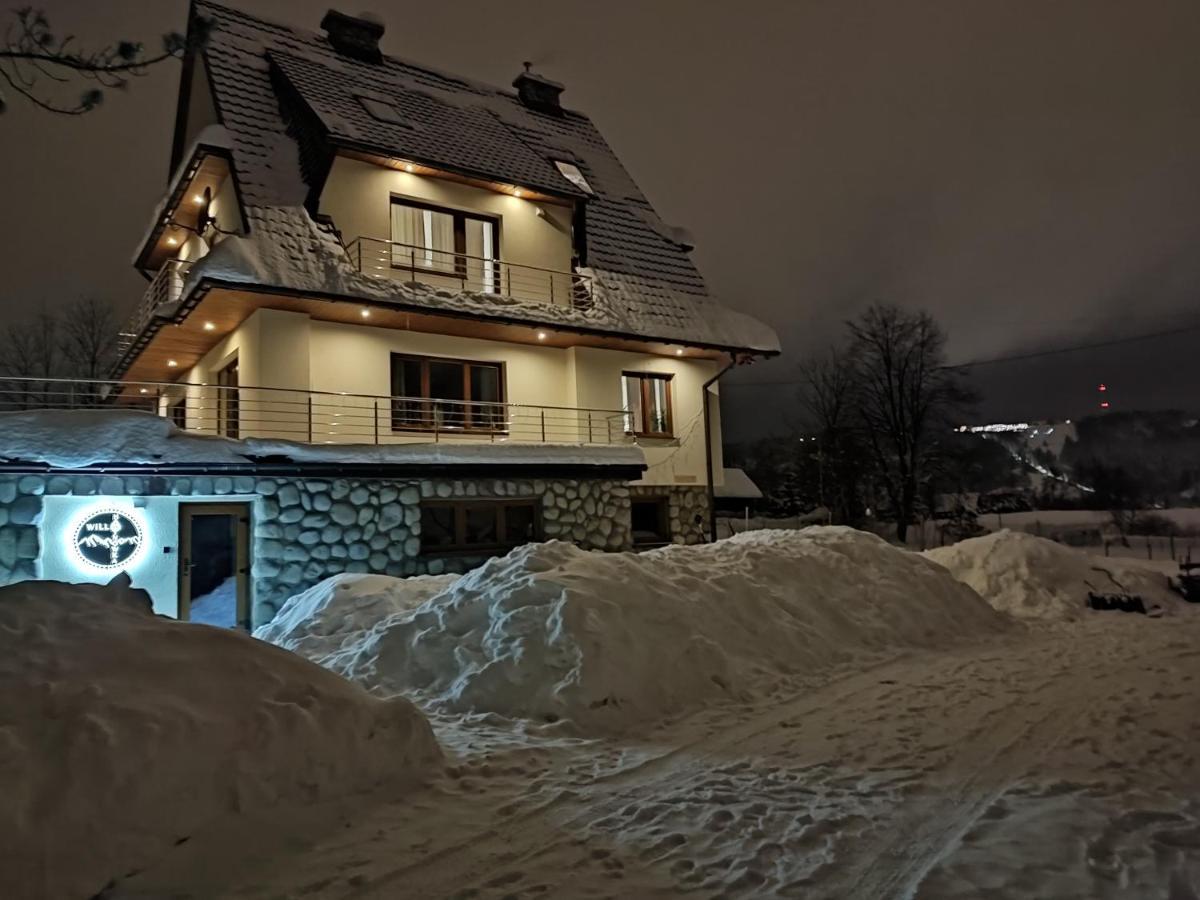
x=446, y=243
x=430, y=393
x=228, y=405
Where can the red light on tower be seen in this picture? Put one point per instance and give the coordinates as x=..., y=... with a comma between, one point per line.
x=1104, y=404
x=1103, y=389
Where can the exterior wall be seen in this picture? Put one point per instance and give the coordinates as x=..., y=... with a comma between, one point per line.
x=679, y=460
x=302, y=529
x=358, y=197
x=287, y=350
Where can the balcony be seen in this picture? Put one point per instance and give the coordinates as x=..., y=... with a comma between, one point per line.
x=316, y=417
x=166, y=287
x=460, y=272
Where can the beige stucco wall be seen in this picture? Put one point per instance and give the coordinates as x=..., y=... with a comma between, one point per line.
x=348, y=367
x=358, y=197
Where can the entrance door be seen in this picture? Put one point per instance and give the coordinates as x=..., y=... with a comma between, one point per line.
x=214, y=564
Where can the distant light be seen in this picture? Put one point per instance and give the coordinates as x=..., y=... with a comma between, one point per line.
x=171, y=364
x=366, y=313
x=541, y=335
x=209, y=326
x=1104, y=405
x=1103, y=387
x=1068, y=422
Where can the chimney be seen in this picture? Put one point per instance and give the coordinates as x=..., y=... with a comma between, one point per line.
x=538, y=92
x=353, y=36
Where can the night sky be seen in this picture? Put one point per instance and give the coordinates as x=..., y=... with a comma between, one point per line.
x=1029, y=172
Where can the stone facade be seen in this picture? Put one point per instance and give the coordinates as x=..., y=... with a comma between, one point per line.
x=687, y=509
x=305, y=529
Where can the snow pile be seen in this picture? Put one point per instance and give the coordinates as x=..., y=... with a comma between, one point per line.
x=553, y=632
x=1032, y=577
x=84, y=437
x=122, y=733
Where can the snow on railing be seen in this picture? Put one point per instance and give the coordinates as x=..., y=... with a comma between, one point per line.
x=166, y=287
x=321, y=417
x=459, y=271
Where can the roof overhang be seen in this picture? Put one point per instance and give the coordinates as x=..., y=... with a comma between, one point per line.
x=183, y=339
x=179, y=215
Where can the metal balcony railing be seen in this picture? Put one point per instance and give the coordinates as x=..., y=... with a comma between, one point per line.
x=458, y=271
x=321, y=417
x=166, y=287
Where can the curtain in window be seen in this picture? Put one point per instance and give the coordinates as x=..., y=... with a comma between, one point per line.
x=426, y=237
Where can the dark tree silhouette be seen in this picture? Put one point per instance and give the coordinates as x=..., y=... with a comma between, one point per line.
x=906, y=398
x=33, y=55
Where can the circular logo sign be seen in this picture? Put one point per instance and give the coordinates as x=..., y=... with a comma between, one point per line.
x=108, y=539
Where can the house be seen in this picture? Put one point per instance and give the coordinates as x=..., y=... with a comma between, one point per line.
x=358, y=250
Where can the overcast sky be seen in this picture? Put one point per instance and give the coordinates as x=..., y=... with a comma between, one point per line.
x=1029, y=172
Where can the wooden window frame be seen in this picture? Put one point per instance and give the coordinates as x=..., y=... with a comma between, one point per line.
x=459, y=217
x=460, y=547
x=641, y=428
x=398, y=424
x=229, y=401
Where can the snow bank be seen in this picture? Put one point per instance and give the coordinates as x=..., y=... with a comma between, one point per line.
x=553, y=632
x=83, y=437
x=1033, y=577
x=121, y=733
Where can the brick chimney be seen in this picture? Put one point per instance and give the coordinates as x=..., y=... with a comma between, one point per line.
x=538, y=92
x=354, y=36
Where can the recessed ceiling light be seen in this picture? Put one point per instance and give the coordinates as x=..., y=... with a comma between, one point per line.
x=541, y=335
x=679, y=352
x=516, y=192
x=209, y=326
x=408, y=167
x=198, y=199
x=143, y=391
x=172, y=241
x=171, y=364
x=366, y=314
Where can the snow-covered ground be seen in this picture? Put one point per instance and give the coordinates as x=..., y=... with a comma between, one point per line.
x=919, y=744
x=123, y=733
x=218, y=607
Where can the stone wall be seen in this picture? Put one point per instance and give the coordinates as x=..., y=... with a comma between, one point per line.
x=687, y=509
x=308, y=529
x=305, y=529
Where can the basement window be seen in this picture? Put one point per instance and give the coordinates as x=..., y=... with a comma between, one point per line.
x=651, y=521
x=478, y=526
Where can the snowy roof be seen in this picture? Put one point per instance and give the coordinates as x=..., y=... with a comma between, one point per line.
x=737, y=486
x=646, y=284
x=77, y=439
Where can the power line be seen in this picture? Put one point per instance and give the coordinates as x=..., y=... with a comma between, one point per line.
x=1018, y=357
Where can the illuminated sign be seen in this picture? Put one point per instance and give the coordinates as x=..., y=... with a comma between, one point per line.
x=108, y=539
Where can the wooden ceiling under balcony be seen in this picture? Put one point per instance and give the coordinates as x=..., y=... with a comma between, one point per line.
x=187, y=342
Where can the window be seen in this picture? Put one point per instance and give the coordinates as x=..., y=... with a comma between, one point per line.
x=430, y=393
x=572, y=173
x=177, y=412
x=646, y=400
x=651, y=521
x=447, y=242
x=456, y=526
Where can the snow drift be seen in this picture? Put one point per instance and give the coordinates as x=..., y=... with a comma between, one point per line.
x=122, y=732
x=1033, y=577
x=553, y=632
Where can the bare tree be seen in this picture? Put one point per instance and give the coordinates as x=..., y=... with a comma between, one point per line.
x=905, y=397
x=827, y=395
x=29, y=351
x=32, y=54
x=827, y=390
x=88, y=337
